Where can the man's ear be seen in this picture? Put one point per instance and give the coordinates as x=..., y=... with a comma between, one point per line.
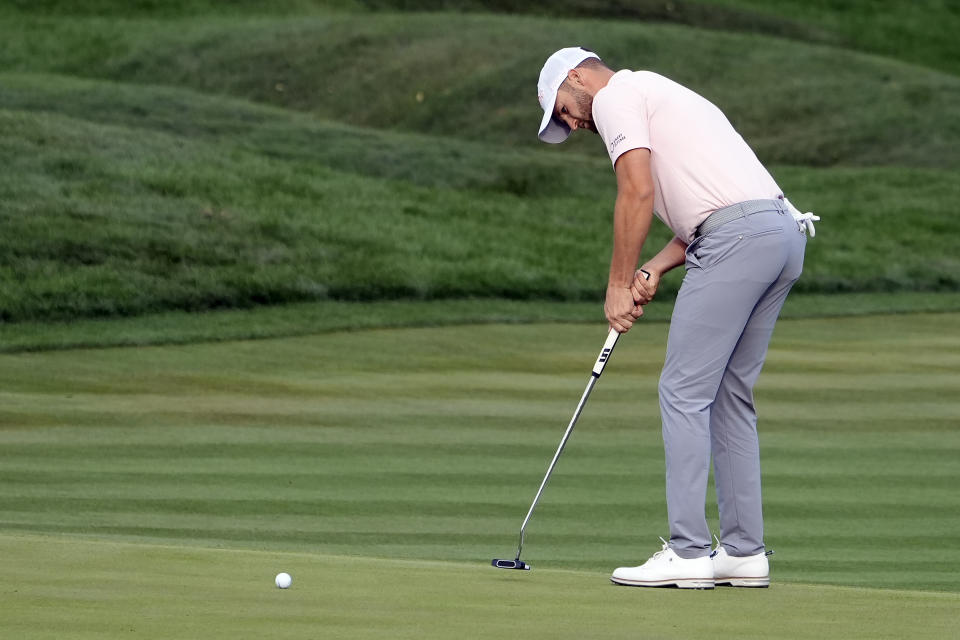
x=574, y=76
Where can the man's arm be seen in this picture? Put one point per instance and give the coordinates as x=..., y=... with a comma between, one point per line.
x=632, y=216
x=645, y=287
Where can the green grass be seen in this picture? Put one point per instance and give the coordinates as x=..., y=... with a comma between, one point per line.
x=429, y=443
x=842, y=107
x=287, y=184
x=97, y=589
x=920, y=31
x=156, y=491
x=121, y=201
x=180, y=327
x=185, y=160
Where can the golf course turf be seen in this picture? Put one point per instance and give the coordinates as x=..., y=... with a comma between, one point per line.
x=94, y=589
x=158, y=490
x=293, y=286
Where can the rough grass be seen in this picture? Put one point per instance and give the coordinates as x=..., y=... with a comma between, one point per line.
x=795, y=103
x=115, y=220
x=920, y=32
x=210, y=160
x=123, y=201
x=182, y=327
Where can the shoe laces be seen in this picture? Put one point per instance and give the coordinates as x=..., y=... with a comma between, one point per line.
x=663, y=550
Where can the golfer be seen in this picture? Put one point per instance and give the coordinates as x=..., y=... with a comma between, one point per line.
x=676, y=156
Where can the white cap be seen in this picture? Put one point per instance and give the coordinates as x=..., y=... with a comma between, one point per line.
x=552, y=75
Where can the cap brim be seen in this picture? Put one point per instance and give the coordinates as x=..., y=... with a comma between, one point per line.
x=551, y=130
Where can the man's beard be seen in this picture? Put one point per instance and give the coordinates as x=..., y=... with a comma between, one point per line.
x=585, y=103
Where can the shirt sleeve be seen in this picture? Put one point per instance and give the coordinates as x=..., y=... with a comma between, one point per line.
x=620, y=116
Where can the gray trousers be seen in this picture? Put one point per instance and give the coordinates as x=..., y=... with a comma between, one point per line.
x=738, y=276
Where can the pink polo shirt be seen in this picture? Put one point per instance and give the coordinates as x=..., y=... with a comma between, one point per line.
x=698, y=160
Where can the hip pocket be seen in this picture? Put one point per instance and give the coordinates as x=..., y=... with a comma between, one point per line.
x=763, y=232
x=692, y=260
x=718, y=247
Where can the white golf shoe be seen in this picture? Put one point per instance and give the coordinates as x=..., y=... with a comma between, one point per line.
x=666, y=569
x=747, y=571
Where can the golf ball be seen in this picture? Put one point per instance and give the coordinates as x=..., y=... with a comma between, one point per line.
x=284, y=580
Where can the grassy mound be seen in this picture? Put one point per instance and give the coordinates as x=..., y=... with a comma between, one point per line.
x=220, y=186
x=190, y=163
x=123, y=201
x=466, y=76
x=921, y=32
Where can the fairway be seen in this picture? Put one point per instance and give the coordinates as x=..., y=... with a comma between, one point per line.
x=156, y=491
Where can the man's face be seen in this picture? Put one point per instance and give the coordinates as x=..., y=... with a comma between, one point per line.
x=574, y=107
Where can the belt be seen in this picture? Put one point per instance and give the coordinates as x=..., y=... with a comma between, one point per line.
x=733, y=212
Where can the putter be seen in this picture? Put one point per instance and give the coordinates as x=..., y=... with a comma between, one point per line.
x=602, y=360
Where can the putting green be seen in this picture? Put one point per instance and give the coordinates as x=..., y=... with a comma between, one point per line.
x=57, y=588
x=160, y=489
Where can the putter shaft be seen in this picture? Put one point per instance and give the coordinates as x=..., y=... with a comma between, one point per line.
x=602, y=359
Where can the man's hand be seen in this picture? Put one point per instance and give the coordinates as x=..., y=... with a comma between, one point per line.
x=620, y=309
x=644, y=287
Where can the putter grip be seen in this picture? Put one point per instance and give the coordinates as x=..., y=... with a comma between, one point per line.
x=612, y=337
x=608, y=346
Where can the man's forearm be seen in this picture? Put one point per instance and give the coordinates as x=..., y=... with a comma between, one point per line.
x=672, y=255
x=632, y=215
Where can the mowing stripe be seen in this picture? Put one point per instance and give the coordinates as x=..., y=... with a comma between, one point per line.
x=431, y=443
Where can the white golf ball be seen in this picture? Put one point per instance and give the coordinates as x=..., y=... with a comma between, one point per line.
x=284, y=580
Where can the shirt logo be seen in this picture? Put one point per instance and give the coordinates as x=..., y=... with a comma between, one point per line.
x=617, y=140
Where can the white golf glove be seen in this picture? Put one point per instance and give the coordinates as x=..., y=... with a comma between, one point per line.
x=804, y=220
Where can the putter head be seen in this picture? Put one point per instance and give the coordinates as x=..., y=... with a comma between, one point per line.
x=510, y=564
